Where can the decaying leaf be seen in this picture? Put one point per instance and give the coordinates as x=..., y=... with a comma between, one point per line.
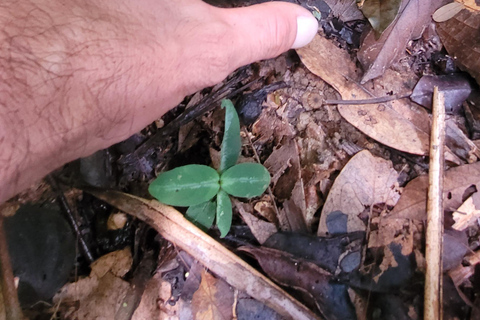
x=213, y=300
x=380, y=13
x=398, y=124
x=328, y=253
x=377, y=55
x=365, y=180
x=155, y=301
x=284, y=165
x=345, y=10
x=331, y=298
x=468, y=213
x=459, y=183
x=261, y=229
x=100, y=295
x=455, y=246
x=460, y=37
x=175, y=228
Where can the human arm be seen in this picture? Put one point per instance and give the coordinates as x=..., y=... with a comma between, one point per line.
x=78, y=76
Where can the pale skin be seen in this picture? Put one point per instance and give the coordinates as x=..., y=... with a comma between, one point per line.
x=77, y=76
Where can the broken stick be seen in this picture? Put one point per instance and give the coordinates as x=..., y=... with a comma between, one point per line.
x=434, y=233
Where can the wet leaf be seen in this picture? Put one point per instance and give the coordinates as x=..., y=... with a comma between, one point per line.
x=224, y=213
x=202, y=214
x=456, y=89
x=365, y=180
x=245, y=180
x=457, y=183
x=186, y=186
x=331, y=299
x=213, y=300
x=380, y=13
x=327, y=253
x=230, y=149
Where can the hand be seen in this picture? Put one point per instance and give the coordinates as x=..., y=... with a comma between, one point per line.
x=79, y=76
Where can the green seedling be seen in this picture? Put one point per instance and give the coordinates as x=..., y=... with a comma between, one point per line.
x=207, y=191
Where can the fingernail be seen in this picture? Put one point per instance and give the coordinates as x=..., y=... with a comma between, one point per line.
x=307, y=27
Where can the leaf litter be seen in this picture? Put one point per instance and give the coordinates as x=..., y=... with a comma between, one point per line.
x=348, y=185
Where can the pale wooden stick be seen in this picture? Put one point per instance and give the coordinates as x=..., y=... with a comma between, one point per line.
x=434, y=233
x=172, y=225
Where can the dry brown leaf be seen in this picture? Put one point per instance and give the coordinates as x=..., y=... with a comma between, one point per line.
x=468, y=213
x=459, y=183
x=400, y=231
x=155, y=301
x=284, y=165
x=460, y=37
x=398, y=124
x=175, y=228
x=100, y=295
x=472, y=5
x=213, y=300
x=377, y=55
x=345, y=10
x=364, y=181
x=261, y=230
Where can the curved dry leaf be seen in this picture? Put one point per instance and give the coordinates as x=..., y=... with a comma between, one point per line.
x=398, y=124
x=364, y=181
x=457, y=183
x=377, y=55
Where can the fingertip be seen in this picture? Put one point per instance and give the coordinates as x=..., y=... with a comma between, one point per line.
x=307, y=27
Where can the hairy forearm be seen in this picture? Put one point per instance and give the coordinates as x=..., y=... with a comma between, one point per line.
x=65, y=69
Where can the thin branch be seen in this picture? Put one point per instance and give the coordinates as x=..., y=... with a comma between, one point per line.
x=434, y=233
x=7, y=284
x=367, y=101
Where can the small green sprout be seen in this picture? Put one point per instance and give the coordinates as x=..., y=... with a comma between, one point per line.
x=206, y=191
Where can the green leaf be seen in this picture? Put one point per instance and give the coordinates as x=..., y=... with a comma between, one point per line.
x=224, y=213
x=245, y=180
x=231, y=143
x=380, y=13
x=202, y=214
x=186, y=186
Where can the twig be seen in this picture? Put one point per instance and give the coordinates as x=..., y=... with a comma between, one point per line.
x=62, y=201
x=208, y=103
x=367, y=101
x=269, y=189
x=9, y=292
x=434, y=234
